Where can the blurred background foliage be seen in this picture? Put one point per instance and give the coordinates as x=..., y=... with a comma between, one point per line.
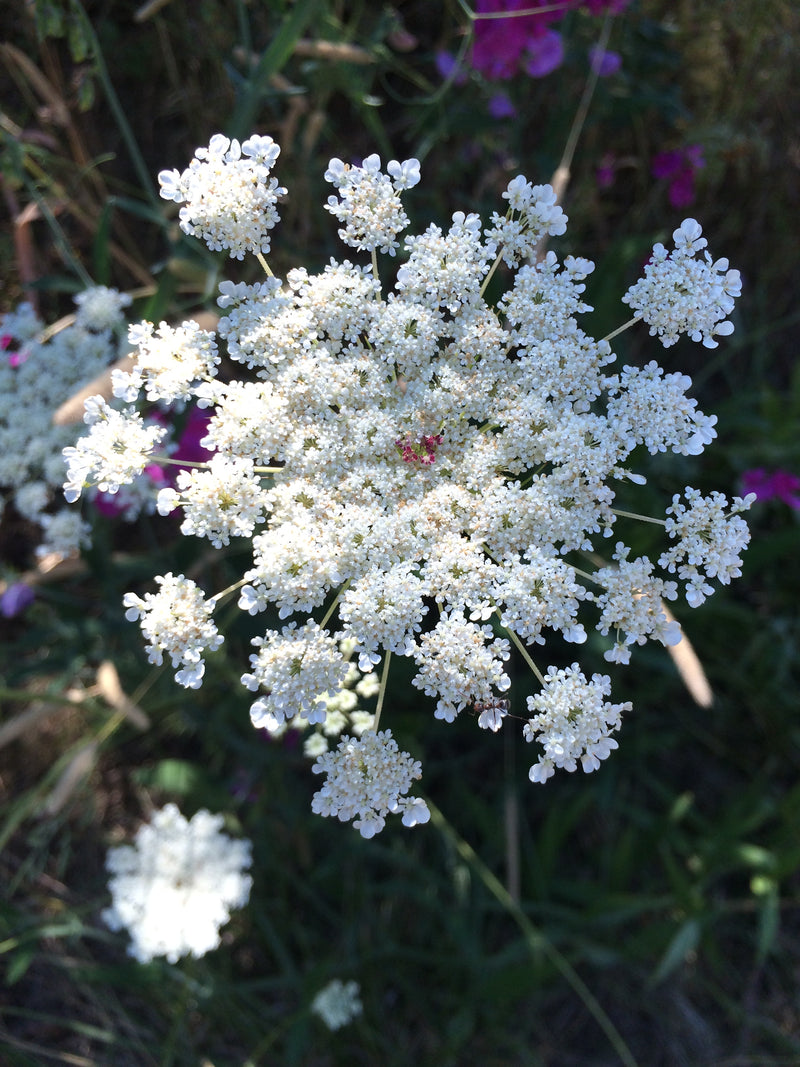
x=645, y=914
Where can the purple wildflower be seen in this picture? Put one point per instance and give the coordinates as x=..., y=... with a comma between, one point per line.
x=773, y=485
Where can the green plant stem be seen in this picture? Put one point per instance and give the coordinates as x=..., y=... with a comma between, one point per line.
x=525, y=655
x=620, y=329
x=534, y=938
x=642, y=518
x=382, y=691
x=141, y=168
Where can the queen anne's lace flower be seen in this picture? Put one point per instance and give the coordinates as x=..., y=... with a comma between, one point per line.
x=369, y=206
x=101, y=308
x=427, y=465
x=176, y=620
x=230, y=198
x=169, y=362
x=224, y=501
x=41, y=369
x=366, y=780
x=177, y=885
x=709, y=538
x=117, y=449
x=296, y=667
x=572, y=722
x=337, y=1004
x=681, y=293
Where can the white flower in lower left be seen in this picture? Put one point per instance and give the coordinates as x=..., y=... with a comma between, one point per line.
x=177, y=885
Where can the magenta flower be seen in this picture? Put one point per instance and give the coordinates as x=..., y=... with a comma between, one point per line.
x=521, y=38
x=773, y=485
x=503, y=45
x=606, y=171
x=680, y=167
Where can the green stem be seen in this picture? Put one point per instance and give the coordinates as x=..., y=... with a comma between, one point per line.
x=382, y=691
x=642, y=518
x=265, y=265
x=334, y=605
x=536, y=941
x=621, y=329
x=492, y=269
x=230, y=589
x=525, y=655
x=139, y=165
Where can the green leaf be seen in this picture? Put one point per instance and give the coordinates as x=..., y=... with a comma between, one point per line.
x=685, y=941
x=279, y=50
x=19, y=965
x=769, y=917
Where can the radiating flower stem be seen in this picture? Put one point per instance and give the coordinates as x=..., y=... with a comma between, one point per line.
x=264, y=264
x=620, y=329
x=642, y=518
x=525, y=655
x=382, y=691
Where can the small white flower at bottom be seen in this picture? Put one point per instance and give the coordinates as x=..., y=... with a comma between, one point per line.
x=177, y=885
x=367, y=778
x=338, y=1003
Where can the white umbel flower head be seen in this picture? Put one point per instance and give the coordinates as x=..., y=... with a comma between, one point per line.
x=176, y=620
x=370, y=206
x=572, y=722
x=169, y=362
x=229, y=196
x=116, y=450
x=397, y=448
x=177, y=885
x=338, y=1003
x=101, y=308
x=709, y=536
x=681, y=293
x=296, y=667
x=367, y=779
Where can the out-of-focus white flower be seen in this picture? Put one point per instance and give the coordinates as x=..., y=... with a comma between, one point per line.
x=338, y=1003
x=177, y=885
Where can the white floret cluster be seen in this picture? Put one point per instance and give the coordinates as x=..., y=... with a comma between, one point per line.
x=366, y=779
x=433, y=470
x=40, y=369
x=341, y=709
x=338, y=1003
x=683, y=293
x=176, y=620
x=177, y=885
x=228, y=195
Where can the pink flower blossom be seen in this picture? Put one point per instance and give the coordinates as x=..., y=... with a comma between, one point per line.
x=773, y=485
x=680, y=166
x=427, y=453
